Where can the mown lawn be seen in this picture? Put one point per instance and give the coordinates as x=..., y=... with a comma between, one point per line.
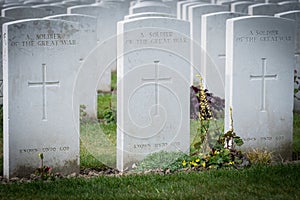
x=256, y=182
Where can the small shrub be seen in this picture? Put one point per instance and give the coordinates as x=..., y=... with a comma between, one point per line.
x=110, y=115
x=259, y=156
x=44, y=172
x=83, y=114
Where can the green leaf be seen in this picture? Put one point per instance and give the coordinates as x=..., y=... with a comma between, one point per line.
x=226, y=152
x=238, y=141
x=197, y=145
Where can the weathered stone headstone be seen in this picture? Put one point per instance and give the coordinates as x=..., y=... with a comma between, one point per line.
x=290, y=5
x=149, y=6
x=52, y=10
x=23, y=12
x=265, y=9
x=172, y=4
x=295, y=15
x=195, y=13
x=88, y=26
x=180, y=5
x=2, y=21
x=241, y=6
x=148, y=14
x=39, y=76
x=88, y=41
x=32, y=2
x=153, y=88
x=213, y=41
x=185, y=9
x=105, y=19
x=272, y=1
x=259, y=82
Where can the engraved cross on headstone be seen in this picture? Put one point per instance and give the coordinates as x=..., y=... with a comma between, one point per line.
x=156, y=81
x=263, y=77
x=44, y=84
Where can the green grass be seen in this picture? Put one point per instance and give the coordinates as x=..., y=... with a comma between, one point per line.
x=257, y=182
x=296, y=135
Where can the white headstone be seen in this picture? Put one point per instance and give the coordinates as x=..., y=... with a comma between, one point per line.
x=32, y=2
x=39, y=76
x=105, y=18
x=86, y=47
x=172, y=4
x=2, y=21
x=23, y=12
x=259, y=82
x=149, y=6
x=241, y=6
x=290, y=5
x=180, y=5
x=52, y=10
x=185, y=9
x=153, y=88
x=213, y=41
x=265, y=9
x=148, y=14
x=195, y=14
x=273, y=1
x=295, y=15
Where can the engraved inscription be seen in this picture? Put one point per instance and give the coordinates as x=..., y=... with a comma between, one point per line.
x=45, y=40
x=249, y=139
x=264, y=36
x=45, y=149
x=158, y=38
x=156, y=145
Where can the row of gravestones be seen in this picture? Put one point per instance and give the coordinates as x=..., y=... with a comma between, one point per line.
x=43, y=86
x=50, y=66
x=255, y=76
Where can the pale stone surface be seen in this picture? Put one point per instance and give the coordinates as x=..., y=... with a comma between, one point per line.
x=295, y=15
x=259, y=82
x=52, y=10
x=147, y=14
x=153, y=88
x=108, y=19
x=88, y=37
x=213, y=41
x=23, y=12
x=39, y=76
x=149, y=6
x=241, y=6
x=195, y=14
x=265, y=9
x=290, y=5
x=180, y=5
x=185, y=9
x=86, y=46
x=172, y=4
x=2, y=21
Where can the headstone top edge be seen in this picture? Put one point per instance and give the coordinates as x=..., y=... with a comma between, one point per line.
x=70, y=15
x=205, y=5
x=223, y=13
x=130, y=20
x=287, y=12
x=249, y=17
x=22, y=21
